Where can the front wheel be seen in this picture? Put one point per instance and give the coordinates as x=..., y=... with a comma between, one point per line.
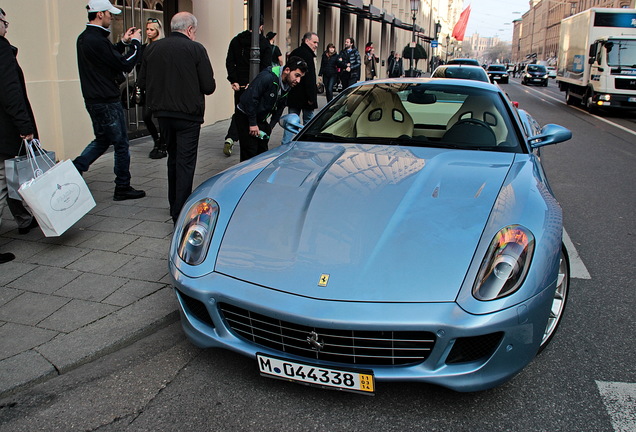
x=569, y=99
x=559, y=300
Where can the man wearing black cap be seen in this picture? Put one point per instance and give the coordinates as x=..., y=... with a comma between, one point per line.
x=101, y=66
x=277, y=59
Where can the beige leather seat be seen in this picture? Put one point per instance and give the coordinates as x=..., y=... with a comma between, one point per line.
x=481, y=108
x=385, y=117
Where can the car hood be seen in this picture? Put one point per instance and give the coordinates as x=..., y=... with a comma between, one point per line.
x=363, y=223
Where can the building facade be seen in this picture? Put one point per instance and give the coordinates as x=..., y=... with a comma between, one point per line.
x=48, y=54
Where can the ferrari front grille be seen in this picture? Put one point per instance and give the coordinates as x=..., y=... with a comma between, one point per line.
x=359, y=347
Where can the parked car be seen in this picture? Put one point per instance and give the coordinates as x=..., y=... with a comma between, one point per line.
x=407, y=233
x=551, y=71
x=460, y=71
x=464, y=61
x=535, y=74
x=498, y=73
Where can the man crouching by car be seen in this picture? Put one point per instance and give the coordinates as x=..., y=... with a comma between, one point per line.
x=262, y=104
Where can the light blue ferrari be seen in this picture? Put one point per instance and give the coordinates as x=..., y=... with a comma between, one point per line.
x=408, y=233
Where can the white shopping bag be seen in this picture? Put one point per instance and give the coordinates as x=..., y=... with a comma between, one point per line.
x=58, y=198
x=21, y=169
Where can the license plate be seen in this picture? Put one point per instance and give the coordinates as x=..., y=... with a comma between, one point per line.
x=354, y=381
x=631, y=99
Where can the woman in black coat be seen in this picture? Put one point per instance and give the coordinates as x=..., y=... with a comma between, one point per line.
x=329, y=70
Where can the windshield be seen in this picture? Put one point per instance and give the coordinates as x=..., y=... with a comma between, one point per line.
x=461, y=72
x=536, y=68
x=621, y=53
x=428, y=114
x=497, y=68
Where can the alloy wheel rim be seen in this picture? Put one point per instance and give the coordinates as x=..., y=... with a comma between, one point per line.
x=558, y=301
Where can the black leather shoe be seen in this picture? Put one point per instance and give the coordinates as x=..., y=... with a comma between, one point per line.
x=127, y=192
x=26, y=229
x=157, y=153
x=6, y=257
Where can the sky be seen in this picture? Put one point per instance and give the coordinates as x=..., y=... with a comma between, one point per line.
x=489, y=17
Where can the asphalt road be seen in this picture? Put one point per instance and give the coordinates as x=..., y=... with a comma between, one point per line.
x=584, y=381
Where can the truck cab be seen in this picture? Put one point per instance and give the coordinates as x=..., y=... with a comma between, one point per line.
x=613, y=73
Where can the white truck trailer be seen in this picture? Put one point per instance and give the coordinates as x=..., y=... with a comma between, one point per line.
x=597, y=58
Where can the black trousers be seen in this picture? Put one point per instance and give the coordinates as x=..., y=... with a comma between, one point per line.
x=182, y=141
x=250, y=146
x=232, y=131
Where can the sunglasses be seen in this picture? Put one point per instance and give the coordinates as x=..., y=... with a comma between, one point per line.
x=153, y=20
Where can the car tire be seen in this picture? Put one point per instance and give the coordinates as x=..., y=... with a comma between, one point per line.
x=545, y=83
x=589, y=103
x=559, y=300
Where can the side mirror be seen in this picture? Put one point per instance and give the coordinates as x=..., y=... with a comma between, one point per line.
x=291, y=123
x=550, y=134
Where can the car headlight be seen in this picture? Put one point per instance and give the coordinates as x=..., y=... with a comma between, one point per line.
x=528, y=76
x=197, y=230
x=545, y=76
x=506, y=263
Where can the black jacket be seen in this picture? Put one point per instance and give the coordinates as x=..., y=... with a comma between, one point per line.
x=237, y=61
x=16, y=115
x=328, y=65
x=305, y=94
x=102, y=64
x=264, y=100
x=176, y=74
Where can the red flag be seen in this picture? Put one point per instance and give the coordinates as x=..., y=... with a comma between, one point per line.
x=460, y=27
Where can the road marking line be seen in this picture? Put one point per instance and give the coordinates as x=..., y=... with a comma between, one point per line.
x=577, y=268
x=623, y=128
x=620, y=403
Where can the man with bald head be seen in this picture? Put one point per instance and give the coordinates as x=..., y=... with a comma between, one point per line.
x=176, y=74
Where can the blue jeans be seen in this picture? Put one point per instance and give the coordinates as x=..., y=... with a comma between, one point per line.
x=109, y=126
x=329, y=81
x=308, y=114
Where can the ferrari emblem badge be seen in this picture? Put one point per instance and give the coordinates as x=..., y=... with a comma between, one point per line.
x=324, y=280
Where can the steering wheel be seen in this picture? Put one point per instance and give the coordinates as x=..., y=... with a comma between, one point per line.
x=477, y=122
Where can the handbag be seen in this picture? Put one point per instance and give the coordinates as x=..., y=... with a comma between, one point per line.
x=21, y=169
x=58, y=198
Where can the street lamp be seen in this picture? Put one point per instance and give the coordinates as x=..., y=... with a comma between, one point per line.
x=447, y=46
x=435, y=61
x=415, y=6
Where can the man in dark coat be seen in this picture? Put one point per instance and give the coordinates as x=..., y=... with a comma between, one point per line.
x=101, y=65
x=16, y=123
x=237, y=64
x=176, y=74
x=349, y=62
x=304, y=97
